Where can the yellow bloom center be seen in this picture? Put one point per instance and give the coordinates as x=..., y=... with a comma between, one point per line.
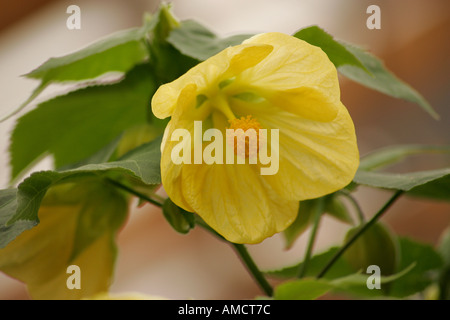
x=245, y=123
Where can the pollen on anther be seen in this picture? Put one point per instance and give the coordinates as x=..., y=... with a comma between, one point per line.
x=250, y=147
x=245, y=123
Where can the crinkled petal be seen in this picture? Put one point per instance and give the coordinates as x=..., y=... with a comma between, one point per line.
x=235, y=201
x=232, y=198
x=316, y=157
x=208, y=74
x=295, y=76
x=171, y=173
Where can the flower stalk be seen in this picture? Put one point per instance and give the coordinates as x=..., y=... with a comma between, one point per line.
x=252, y=268
x=317, y=214
x=363, y=229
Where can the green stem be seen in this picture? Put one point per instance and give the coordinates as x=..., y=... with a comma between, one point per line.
x=252, y=268
x=134, y=192
x=355, y=204
x=312, y=238
x=244, y=256
x=359, y=233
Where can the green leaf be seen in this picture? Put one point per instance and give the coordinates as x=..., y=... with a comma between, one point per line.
x=8, y=207
x=140, y=134
x=386, y=156
x=336, y=52
x=162, y=22
x=362, y=67
x=303, y=220
x=117, y=52
x=37, y=91
x=105, y=154
x=436, y=189
x=143, y=163
x=427, y=261
x=20, y=213
x=381, y=79
x=198, y=42
x=304, y=289
x=356, y=284
x=339, y=269
x=80, y=123
x=417, y=260
x=181, y=220
x=311, y=288
x=376, y=246
x=163, y=56
x=7, y=204
x=430, y=183
x=444, y=277
x=333, y=206
x=444, y=246
x=79, y=222
x=162, y=52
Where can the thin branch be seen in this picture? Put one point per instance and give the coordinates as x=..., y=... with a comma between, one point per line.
x=252, y=268
x=317, y=214
x=134, y=192
x=359, y=233
x=355, y=204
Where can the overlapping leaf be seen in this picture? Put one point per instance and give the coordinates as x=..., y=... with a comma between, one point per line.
x=383, y=80
x=198, y=42
x=79, y=222
x=420, y=183
x=74, y=126
x=429, y=183
x=333, y=207
x=337, y=53
x=310, y=288
x=444, y=276
x=20, y=211
x=340, y=269
x=427, y=261
x=392, y=154
x=420, y=273
x=118, y=52
x=362, y=67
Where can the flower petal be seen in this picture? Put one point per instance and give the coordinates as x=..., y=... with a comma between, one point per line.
x=316, y=158
x=295, y=76
x=171, y=173
x=208, y=74
x=232, y=198
x=235, y=201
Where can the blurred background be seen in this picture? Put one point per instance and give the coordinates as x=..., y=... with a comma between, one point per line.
x=413, y=41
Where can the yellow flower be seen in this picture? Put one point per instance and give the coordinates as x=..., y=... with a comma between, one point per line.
x=270, y=81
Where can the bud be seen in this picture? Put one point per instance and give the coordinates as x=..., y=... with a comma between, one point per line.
x=376, y=246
